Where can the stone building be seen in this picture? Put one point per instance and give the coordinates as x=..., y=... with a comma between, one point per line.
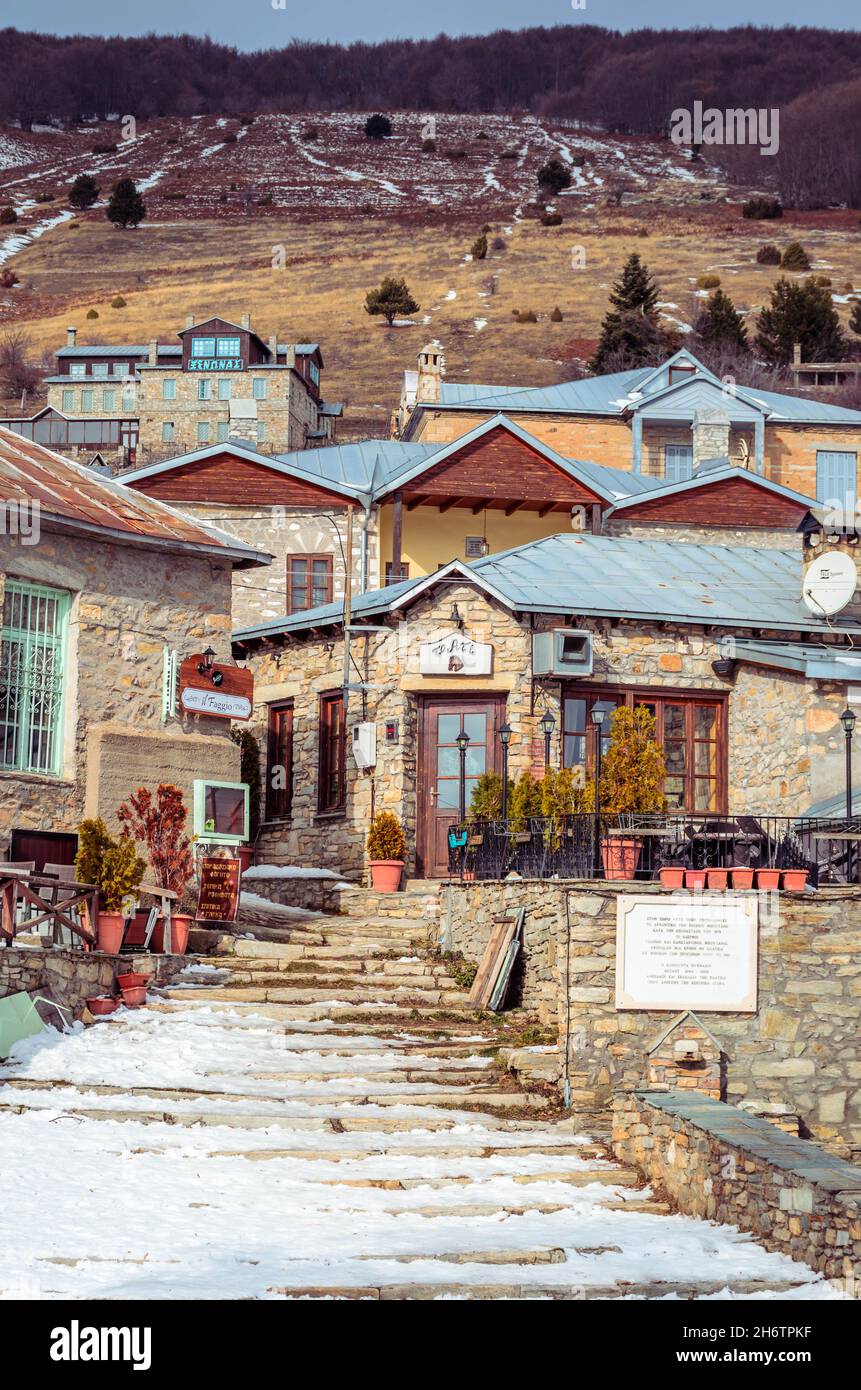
x=143, y=401
x=657, y=421
x=746, y=685
x=96, y=585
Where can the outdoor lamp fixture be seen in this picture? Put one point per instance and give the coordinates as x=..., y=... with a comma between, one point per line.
x=598, y=715
x=847, y=719
x=456, y=618
x=504, y=736
x=462, y=742
x=205, y=666
x=548, y=724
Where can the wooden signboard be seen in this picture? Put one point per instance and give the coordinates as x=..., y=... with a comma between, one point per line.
x=218, y=898
x=230, y=697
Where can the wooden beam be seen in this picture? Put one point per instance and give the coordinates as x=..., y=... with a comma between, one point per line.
x=480, y=506
x=542, y=511
x=515, y=506
x=418, y=501
x=450, y=502
x=397, y=536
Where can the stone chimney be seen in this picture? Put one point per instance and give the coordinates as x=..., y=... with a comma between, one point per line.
x=152, y=354
x=245, y=321
x=710, y=428
x=71, y=337
x=290, y=357
x=431, y=362
x=190, y=319
x=273, y=346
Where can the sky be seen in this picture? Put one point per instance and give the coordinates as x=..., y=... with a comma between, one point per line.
x=274, y=23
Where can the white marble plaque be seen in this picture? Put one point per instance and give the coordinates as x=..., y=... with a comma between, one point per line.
x=687, y=951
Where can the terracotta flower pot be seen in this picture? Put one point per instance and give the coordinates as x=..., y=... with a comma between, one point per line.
x=104, y=1004
x=717, y=878
x=695, y=878
x=620, y=855
x=386, y=875
x=768, y=878
x=246, y=857
x=110, y=932
x=132, y=979
x=795, y=879
x=179, y=928
x=672, y=876
x=133, y=998
x=742, y=878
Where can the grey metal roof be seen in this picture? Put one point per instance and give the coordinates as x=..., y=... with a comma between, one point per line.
x=620, y=482
x=818, y=662
x=359, y=465
x=117, y=350
x=615, y=577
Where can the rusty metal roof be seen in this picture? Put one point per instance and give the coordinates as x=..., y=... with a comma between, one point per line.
x=73, y=496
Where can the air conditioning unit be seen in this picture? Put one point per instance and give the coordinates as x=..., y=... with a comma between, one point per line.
x=565, y=651
x=365, y=745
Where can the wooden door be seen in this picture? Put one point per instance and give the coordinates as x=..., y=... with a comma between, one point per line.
x=439, y=768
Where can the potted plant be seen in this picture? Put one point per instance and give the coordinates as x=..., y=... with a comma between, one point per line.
x=632, y=783
x=387, y=852
x=158, y=822
x=116, y=869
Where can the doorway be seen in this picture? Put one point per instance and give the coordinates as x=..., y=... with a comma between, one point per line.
x=441, y=720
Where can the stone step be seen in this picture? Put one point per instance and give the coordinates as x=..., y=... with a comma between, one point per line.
x=399, y=1017
x=347, y=1122
x=512, y=1290
x=315, y=977
x=542, y=1255
x=298, y=993
x=327, y=967
x=446, y=1151
x=578, y=1177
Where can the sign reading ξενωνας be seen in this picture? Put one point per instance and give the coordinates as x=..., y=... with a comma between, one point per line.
x=216, y=364
x=687, y=951
x=218, y=895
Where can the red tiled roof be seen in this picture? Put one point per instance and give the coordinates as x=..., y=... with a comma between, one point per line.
x=70, y=493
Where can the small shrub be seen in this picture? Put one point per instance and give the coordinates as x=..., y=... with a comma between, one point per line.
x=92, y=313
x=556, y=316
x=311, y=132
x=499, y=244
x=479, y=248
x=44, y=197
x=378, y=127
x=482, y=135
x=512, y=154
x=174, y=195
x=457, y=153
x=118, y=302
x=709, y=282
x=642, y=231
x=795, y=257
x=768, y=255
x=247, y=120
x=428, y=146
x=230, y=138
x=762, y=209
x=526, y=316
x=552, y=219
x=386, y=838
x=8, y=215
x=8, y=279
x=823, y=280
x=122, y=871
x=105, y=149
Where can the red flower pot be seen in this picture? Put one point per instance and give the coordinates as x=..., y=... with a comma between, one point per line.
x=110, y=932
x=767, y=878
x=695, y=878
x=133, y=998
x=133, y=979
x=179, y=927
x=386, y=875
x=104, y=1004
x=742, y=878
x=620, y=855
x=795, y=879
x=717, y=878
x=672, y=876
x=246, y=857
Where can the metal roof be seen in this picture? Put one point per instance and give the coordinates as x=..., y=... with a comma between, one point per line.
x=71, y=495
x=615, y=577
x=818, y=662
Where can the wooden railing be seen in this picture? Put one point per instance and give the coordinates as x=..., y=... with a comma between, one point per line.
x=65, y=905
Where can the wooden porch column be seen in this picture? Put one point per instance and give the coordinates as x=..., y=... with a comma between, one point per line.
x=397, y=536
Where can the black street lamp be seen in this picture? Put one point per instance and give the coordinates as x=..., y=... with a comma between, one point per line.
x=847, y=719
x=504, y=736
x=462, y=742
x=548, y=724
x=598, y=722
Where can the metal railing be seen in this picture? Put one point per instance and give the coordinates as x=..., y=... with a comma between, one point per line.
x=589, y=846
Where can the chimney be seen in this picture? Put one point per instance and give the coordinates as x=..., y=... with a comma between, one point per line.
x=71, y=337
x=190, y=319
x=245, y=321
x=290, y=357
x=273, y=347
x=152, y=355
x=431, y=367
x=710, y=427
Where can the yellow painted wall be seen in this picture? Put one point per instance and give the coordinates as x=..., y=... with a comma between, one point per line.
x=432, y=538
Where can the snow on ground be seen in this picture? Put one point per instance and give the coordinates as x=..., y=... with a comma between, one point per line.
x=256, y=900
x=289, y=871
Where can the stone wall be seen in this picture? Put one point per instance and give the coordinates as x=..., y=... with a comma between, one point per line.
x=127, y=605
x=71, y=976
x=715, y=1162
x=317, y=894
x=801, y=1049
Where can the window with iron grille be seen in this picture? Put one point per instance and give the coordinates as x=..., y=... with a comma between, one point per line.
x=332, y=790
x=309, y=581
x=32, y=659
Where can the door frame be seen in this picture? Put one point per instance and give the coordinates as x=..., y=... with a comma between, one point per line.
x=498, y=700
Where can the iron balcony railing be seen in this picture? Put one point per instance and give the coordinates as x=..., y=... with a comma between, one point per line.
x=589, y=846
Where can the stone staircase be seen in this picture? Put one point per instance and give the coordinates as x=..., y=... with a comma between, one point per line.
x=392, y=1155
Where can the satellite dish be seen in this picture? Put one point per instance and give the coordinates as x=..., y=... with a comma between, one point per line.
x=829, y=583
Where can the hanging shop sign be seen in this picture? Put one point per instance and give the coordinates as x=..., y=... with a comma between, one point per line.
x=218, y=897
x=455, y=655
x=224, y=692
x=687, y=951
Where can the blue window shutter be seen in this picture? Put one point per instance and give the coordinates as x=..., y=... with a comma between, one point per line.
x=836, y=483
x=678, y=462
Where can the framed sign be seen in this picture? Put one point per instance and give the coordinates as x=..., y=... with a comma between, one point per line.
x=455, y=655
x=218, y=897
x=687, y=951
x=223, y=692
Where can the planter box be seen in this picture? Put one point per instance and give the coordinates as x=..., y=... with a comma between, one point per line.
x=742, y=878
x=620, y=855
x=768, y=878
x=795, y=879
x=695, y=878
x=104, y=1004
x=672, y=876
x=133, y=998
x=132, y=979
x=717, y=878
x=179, y=927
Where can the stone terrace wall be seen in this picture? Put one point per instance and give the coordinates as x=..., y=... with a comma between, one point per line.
x=70, y=977
x=802, y=1048
x=716, y=1162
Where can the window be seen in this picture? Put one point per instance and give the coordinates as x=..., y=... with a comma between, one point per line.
x=228, y=347
x=68, y=400
x=203, y=431
x=678, y=462
x=109, y=400
x=279, y=761
x=167, y=432
x=86, y=401
x=168, y=389
x=689, y=728
x=225, y=386
x=309, y=581
x=121, y=369
x=128, y=398
x=405, y=572
x=315, y=373
x=100, y=369
x=261, y=431
x=222, y=431
x=221, y=812
x=258, y=387
x=331, y=790
x=32, y=657
x=204, y=390
x=203, y=347
x=78, y=369
x=836, y=485
x=679, y=374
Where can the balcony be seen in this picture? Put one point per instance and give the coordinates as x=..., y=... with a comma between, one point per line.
x=638, y=846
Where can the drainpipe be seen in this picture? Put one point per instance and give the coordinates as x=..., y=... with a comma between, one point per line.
x=363, y=547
